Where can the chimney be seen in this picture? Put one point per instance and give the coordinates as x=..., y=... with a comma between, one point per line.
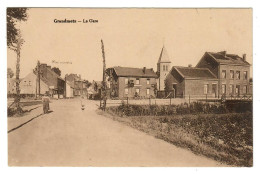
x=244, y=57
x=190, y=65
x=144, y=70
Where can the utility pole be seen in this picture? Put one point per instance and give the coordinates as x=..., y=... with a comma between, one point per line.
x=104, y=85
x=39, y=78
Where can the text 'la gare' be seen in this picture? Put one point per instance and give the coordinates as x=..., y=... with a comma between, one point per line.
x=90, y=21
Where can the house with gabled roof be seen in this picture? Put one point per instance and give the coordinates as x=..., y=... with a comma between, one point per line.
x=126, y=82
x=54, y=81
x=232, y=71
x=184, y=82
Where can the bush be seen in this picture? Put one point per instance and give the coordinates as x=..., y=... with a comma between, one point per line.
x=181, y=109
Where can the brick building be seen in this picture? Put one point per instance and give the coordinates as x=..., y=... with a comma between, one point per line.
x=184, y=82
x=232, y=71
x=54, y=81
x=216, y=75
x=126, y=82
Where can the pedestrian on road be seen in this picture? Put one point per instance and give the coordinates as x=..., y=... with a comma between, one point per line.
x=45, y=102
x=82, y=103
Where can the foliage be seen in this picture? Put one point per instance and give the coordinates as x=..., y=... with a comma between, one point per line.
x=56, y=70
x=226, y=138
x=14, y=15
x=180, y=109
x=10, y=73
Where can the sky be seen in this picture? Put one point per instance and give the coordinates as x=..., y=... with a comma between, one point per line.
x=132, y=37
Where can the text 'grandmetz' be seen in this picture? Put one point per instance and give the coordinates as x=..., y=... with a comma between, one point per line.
x=75, y=21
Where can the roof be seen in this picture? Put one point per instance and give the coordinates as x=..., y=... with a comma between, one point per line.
x=191, y=72
x=163, y=56
x=223, y=58
x=134, y=72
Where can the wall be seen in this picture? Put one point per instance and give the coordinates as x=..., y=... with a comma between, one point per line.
x=234, y=81
x=163, y=74
x=28, y=85
x=131, y=90
x=194, y=88
x=174, y=78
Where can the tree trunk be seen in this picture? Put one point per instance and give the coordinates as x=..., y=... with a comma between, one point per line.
x=17, y=98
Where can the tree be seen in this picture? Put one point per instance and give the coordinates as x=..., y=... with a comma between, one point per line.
x=56, y=70
x=10, y=73
x=14, y=15
x=15, y=42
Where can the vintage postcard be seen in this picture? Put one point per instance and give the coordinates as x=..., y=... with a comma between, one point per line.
x=130, y=87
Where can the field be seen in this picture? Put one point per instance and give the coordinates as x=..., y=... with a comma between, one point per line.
x=227, y=138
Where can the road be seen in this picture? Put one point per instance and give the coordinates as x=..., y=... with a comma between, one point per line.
x=69, y=136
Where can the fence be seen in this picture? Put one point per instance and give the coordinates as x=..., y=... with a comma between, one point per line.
x=175, y=101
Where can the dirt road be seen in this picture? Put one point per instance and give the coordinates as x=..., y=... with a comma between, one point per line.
x=69, y=136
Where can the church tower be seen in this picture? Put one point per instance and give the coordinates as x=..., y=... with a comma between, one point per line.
x=163, y=68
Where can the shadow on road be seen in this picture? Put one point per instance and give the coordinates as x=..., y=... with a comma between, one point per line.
x=21, y=125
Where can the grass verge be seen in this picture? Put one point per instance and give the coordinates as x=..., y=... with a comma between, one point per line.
x=226, y=138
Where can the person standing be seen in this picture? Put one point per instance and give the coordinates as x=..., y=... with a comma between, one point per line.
x=46, y=102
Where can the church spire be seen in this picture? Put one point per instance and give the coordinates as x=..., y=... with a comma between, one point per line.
x=164, y=58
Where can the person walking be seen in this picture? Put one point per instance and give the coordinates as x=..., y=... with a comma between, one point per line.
x=45, y=102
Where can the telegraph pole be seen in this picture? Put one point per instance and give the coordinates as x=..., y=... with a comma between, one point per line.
x=104, y=86
x=38, y=79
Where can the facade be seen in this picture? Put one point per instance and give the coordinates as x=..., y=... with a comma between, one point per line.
x=185, y=82
x=163, y=68
x=124, y=82
x=29, y=85
x=232, y=71
x=79, y=86
x=54, y=81
x=94, y=90
x=69, y=90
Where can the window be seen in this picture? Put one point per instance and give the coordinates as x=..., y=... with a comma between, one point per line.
x=148, y=91
x=137, y=91
x=206, y=89
x=163, y=67
x=245, y=75
x=29, y=83
x=237, y=89
x=137, y=81
x=223, y=88
x=231, y=89
x=232, y=74
x=126, y=91
x=244, y=89
x=148, y=81
x=126, y=81
x=166, y=67
x=238, y=75
x=223, y=74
